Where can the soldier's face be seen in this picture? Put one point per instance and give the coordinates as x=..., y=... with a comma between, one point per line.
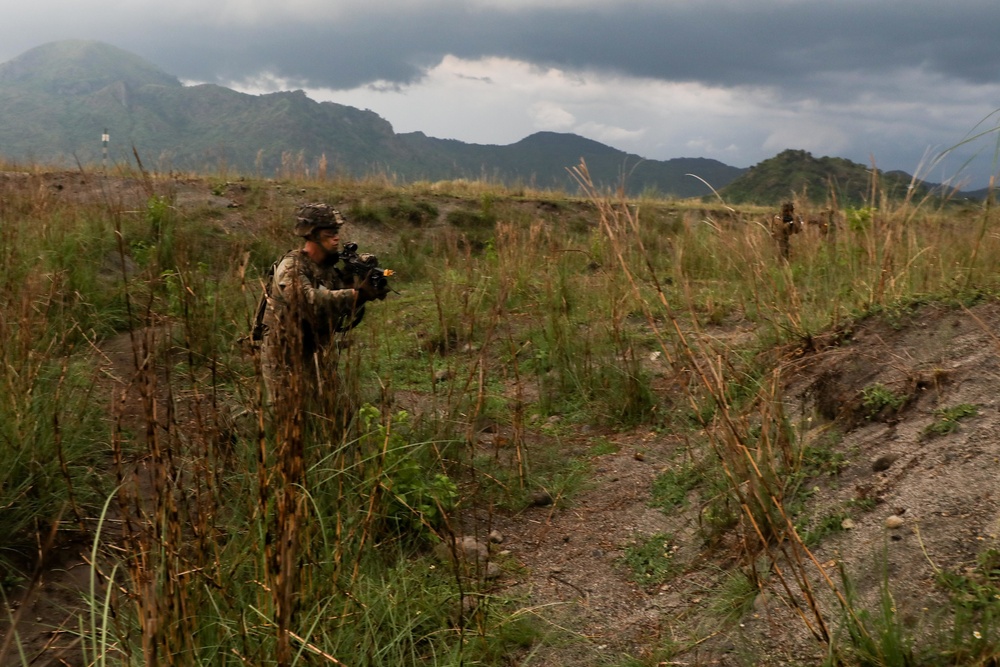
x=329, y=240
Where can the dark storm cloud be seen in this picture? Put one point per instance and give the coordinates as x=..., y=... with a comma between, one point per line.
x=789, y=44
x=851, y=77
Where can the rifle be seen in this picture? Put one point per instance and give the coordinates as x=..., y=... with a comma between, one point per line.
x=364, y=268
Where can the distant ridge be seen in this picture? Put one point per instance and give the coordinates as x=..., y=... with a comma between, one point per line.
x=56, y=100
x=542, y=159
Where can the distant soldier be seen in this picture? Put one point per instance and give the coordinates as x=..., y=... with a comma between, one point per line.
x=784, y=225
x=821, y=222
x=309, y=300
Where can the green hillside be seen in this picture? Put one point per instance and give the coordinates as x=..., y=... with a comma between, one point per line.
x=79, y=67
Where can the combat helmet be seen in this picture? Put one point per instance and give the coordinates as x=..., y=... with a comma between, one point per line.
x=310, y=217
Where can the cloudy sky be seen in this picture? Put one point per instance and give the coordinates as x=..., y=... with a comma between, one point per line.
x=894, y=82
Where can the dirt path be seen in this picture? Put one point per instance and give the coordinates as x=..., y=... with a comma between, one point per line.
x=569, y=558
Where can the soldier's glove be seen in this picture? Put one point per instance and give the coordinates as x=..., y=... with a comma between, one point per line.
x=368, y=258
x=367, y=291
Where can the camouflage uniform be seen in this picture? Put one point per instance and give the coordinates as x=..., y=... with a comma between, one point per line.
x=307, y=304
x=784, y=226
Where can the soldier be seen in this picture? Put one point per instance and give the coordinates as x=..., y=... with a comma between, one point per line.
x=784, y=225
x=308, y=301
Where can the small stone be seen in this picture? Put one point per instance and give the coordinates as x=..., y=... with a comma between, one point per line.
x=847, y=524
x=893, y=522
x=466, y=548
x=884, y=462
x=639, y=456
x=493, y=571
x=540, y=498
x=486, y=426
x=496, y=537
x=473, y=549
x=443, y=375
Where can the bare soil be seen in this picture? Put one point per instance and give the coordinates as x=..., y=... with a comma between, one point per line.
x=944, y=488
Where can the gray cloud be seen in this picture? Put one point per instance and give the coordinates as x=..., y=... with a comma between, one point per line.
x=880, y=74
x=719, y=42
x=778, y=43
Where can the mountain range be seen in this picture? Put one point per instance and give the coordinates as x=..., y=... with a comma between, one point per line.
x=57, y=100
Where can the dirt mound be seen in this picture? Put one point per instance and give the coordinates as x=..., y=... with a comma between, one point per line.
x=886, y=389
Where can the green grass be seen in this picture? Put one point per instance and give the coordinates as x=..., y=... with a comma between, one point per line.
x=871, y=637
x=651, y=561
x=601, y=446
x=671, y=487
x=734, y=596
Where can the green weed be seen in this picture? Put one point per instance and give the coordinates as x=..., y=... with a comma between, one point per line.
x=876, y=398
x=671, y=487
x=418, y=494
x=872, y=638
x=651, y=561
x=947, y=419
x=815, y=532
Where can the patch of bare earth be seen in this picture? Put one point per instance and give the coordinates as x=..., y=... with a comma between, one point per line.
x=564, y=562
x=944, y=489
x=566, y=559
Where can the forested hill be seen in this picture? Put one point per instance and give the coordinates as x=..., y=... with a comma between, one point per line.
x=797, y=174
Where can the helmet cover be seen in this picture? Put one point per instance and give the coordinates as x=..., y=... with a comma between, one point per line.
x=310, y=217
